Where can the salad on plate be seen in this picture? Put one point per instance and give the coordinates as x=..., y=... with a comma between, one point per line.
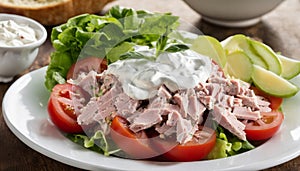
x=131, y=84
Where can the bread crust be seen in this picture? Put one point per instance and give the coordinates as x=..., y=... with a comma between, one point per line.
x=55, y=13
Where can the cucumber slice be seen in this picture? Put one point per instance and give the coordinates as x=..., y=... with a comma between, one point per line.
x=272, y=83
x=290, y=67
x=269, y=56
x=211, y=47
x=239, y=66
x=241, y=42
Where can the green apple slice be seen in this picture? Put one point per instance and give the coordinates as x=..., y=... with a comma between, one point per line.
x=239, y=65
x=272, y=83
x=184, y=36
x=290, y=67
x=211, y=47
x=242, y=42
x=269, y=56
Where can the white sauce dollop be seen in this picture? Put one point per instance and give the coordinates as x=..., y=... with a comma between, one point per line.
x=141, y=78
x=14, y=34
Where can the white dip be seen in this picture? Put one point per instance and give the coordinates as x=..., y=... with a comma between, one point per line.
x=141, y=78
x=13, y=34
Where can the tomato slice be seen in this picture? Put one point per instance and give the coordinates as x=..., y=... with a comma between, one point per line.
x=265, y=127
x=196, y=149
x=86, y=65
x=275, y=101
x=268, y=125
x=137, y=146
x=61, y=109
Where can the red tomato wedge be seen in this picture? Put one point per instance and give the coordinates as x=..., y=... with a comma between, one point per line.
x=61, y=109
x=264, y=128
x=198, y=148
x=137, y=146
x=85, y=65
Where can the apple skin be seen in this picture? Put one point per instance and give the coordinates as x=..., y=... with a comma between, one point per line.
x=290, y=67
x=268, y=55
x=243, y=43
x=272, y=83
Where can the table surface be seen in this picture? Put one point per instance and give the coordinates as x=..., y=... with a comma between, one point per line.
x=279, y=29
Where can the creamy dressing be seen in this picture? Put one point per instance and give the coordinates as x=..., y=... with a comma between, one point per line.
x=141, y=78
x=14, y=34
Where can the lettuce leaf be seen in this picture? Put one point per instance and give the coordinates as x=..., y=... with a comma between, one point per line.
x=104, y=37
x=97, y=142
x=228, y=144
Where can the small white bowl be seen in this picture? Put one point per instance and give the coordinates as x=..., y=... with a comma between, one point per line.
x=233, y=13
x=15, y=59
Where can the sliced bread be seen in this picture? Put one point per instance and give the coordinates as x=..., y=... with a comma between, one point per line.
x=51, y=12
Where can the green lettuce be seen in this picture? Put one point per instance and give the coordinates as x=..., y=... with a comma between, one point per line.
x=96, y=142
x=228, y=144
x=107, y=36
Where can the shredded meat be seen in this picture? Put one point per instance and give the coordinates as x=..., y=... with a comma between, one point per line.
x=229, y=101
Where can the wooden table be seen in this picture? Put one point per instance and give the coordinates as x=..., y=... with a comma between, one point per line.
x=280, y=29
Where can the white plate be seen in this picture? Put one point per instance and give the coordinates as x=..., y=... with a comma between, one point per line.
x=24, y=110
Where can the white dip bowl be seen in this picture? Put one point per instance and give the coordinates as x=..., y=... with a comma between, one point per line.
x=233, y=13
x=14, y=59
